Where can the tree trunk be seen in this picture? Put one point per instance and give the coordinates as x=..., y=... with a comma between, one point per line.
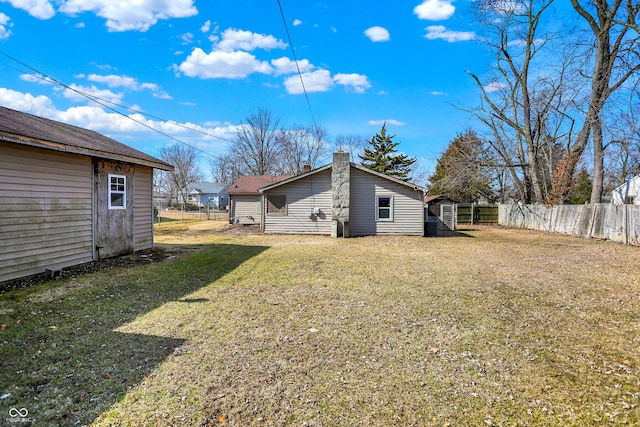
x=598, y=163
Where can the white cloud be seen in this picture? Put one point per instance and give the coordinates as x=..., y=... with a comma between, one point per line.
x=286, y=66
x=75, y=93
x=230, y=65
x=206, y=27
x=435, y=32
x=40, y=79
x=435, y=10
x=40, y=105
x=494, y=87
x=40, y=9
x=5, y=32
x=127, y=82
x=377, y=34
x=321, y=81
x=297, y=22
x=437, y=93
x=387, y=121
x=116, y=125
x=316, y=81
x=129, y=15
x=187, y=38
x=233, y=39
x=358, y=82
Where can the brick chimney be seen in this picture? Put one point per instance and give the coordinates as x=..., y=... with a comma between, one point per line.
x=306, y=168
x=341, y=192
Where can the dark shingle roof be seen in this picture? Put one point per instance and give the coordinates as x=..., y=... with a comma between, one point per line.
x=27, y=129
x=249, y=185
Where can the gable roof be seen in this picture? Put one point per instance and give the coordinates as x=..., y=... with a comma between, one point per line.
x=208, y=187
x=353, y=165
x=26, y=129
x=249, y=185
x=627, y=183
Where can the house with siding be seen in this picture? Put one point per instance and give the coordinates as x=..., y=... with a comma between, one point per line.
x=207, y=194
x=69, y=195
x=627, y=193
x=343, y=199
x=244, y=198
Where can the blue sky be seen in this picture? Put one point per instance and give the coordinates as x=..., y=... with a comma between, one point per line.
x=208, y=64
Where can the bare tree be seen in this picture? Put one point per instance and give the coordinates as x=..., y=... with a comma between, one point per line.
x=300, y=146
x=615, y=59
x=353, y=144
x=186, y=171
x=256, y=146
x=522, y=106
x=224, y=168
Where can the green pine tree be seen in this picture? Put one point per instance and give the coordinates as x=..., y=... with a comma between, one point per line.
x=581, y=191
x=459, y=173
x=382, y=156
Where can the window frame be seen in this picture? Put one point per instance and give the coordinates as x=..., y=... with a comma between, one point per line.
x=389, y=208
x=122, y=192
x=283, y=211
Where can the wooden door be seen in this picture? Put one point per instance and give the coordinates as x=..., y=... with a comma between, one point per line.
x=114, y=215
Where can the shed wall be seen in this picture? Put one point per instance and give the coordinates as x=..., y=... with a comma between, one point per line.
x=246, y=209
x=408, y=207
x=303, y=196
x=45, y=210
x=143, y=208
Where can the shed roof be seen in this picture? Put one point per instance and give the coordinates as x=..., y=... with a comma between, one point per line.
x=27, y=129
x=249, y=185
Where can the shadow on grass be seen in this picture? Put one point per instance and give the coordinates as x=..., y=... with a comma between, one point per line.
x=62, y=361
x=457, y=233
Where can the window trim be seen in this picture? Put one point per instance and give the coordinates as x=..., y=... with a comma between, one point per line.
x=390, y=208
x=285, y=208
x=122, y=192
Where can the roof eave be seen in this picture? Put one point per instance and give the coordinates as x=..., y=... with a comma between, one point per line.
x=294, y=178
x=56, y=146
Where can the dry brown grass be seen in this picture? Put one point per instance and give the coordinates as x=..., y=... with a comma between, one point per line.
x=489, y=327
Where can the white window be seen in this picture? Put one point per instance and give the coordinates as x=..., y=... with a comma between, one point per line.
x=117, y=192
x=384, y=208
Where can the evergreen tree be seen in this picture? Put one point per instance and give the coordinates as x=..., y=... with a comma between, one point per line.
x=581, y=191
x=381, y=156
x=460, y=174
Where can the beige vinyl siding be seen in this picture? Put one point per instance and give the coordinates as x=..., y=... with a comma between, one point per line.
x=246, y=209
x=45, y=210
x=408, y=210
x=142, y=208
x=303, y=195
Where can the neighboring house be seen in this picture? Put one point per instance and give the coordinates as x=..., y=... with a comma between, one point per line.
x=441, y=210
x=628, y=193
x=244, y=198
x=69, y=195
x=343, y=199
x=212, y=194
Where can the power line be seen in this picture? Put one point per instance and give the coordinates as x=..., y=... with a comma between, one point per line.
x=293, y=52
x=104, y=102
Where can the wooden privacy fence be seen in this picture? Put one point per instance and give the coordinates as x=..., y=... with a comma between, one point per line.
x=469, y=213
x=619, y=223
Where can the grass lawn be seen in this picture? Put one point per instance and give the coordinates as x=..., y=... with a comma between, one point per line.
x=488, y=327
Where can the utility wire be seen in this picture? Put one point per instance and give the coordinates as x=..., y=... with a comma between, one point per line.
x=293, y=52
x=104, y=102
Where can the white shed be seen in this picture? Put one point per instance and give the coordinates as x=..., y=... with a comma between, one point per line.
x=628, y=193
